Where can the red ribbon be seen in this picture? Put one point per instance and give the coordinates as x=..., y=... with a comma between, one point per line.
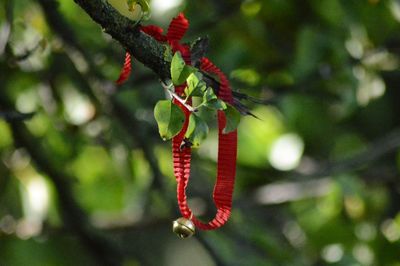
x=126, y=70
x=227, y=146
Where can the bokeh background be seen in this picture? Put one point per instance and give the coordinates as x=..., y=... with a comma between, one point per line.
x=86, y=180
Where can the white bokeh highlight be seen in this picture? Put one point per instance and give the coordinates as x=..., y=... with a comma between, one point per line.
x=160, y=7
x=286, y=152
x=333, y=253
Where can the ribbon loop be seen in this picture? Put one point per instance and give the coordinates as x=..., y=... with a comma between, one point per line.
x=227, y=151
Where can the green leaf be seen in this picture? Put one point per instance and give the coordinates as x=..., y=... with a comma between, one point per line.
x=232, y=119
x=168, y=53
x=195, y=86
x=145, y=5
x=216, y=104
x=170, y=119
x=191, y=126
x=209, y=95
x=192, y=82
x=211, y=100
x=197, y=130
x=179, y=70
x=199, y=90
x=177, y=66
x=187, y=71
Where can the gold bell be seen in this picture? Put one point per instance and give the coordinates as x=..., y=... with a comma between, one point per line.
x=183, y=227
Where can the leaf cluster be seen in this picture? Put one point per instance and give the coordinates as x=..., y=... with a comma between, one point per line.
x=170, y=117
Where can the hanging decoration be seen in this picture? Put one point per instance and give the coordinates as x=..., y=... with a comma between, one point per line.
x=178, y=120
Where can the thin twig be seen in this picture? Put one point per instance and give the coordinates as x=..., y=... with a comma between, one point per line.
x=15, y=116
x=176, y=97
x=375, y=151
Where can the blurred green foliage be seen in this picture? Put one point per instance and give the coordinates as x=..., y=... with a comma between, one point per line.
x=318, y=174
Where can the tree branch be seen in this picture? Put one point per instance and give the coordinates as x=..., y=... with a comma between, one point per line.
x=140, y=45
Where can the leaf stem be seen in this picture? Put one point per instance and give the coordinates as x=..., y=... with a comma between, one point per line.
x=168, y=87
